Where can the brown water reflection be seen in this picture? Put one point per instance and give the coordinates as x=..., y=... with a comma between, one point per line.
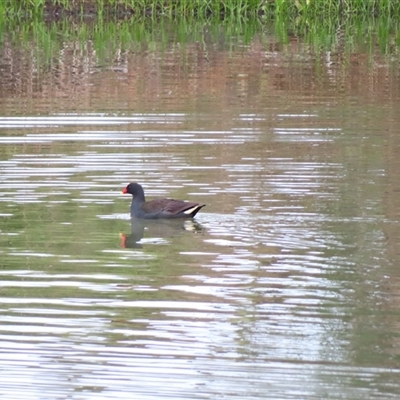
x=288, y=276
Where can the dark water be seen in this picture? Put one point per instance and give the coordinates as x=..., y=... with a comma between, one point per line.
x=285, y=286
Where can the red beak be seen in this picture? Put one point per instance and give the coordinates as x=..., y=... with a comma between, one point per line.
x=124, y=191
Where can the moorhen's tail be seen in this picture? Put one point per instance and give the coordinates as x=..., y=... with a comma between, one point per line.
x=191, y=212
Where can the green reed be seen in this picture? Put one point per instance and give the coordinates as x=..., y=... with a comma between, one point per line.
x=206, y=8
x=342, y=8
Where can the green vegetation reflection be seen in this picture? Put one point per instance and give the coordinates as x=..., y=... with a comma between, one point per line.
x=109, y=37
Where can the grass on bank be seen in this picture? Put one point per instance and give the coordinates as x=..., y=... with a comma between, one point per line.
x=200, y=8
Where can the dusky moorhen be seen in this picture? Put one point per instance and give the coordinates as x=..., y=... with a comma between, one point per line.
x=159, y=208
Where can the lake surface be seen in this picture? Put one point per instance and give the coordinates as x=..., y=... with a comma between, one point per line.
x=285, y=286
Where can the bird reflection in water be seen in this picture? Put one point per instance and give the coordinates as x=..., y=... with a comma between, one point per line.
x=156, y=229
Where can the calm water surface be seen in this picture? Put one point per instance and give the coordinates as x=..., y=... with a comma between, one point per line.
x=285, y=286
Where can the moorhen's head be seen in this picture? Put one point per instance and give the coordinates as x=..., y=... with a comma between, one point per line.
x=134, y=189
